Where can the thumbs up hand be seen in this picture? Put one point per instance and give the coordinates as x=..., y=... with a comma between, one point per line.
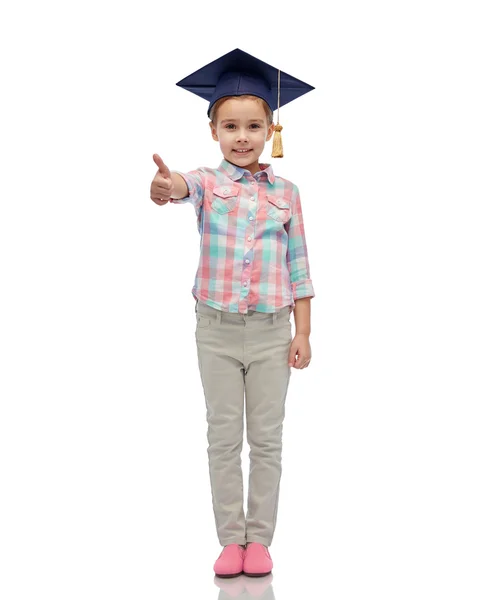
x=162, y=185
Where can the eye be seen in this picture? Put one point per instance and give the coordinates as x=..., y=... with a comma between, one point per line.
x=255, y=126
x=229, y=126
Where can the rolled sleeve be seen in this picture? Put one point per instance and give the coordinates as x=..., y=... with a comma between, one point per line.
x=196, y=185
x=297, y=253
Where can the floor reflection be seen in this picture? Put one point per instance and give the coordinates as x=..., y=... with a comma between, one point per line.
x=245, y=588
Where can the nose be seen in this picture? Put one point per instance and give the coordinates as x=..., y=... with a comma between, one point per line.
x=242, y=135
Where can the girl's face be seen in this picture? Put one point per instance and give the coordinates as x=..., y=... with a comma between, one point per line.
x=241, y=130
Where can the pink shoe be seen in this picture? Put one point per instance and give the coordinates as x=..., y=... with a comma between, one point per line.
x=230, y=561
x=258, y=562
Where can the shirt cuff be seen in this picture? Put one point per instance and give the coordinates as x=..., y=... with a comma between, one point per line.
x=303, y=289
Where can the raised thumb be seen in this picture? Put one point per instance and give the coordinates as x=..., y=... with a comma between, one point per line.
x=162, y=167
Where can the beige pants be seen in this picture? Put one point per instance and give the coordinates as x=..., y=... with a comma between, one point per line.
x=244, y=355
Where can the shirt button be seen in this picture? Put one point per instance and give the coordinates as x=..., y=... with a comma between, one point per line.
x=247, y=261
x=226, y=191
x=253, y=182
x=253, y=199
x=250, y=218
x=245, y=284
x=249, y=238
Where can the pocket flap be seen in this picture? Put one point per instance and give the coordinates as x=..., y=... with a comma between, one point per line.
x=225, y=191
x=279, y=202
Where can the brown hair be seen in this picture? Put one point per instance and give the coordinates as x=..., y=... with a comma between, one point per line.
x=214, y=109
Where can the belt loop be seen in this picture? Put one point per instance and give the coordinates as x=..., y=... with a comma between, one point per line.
x=274, y=317
x=219, y=317
x=195, y=307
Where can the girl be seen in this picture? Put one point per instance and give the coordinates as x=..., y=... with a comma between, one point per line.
x=253, y=272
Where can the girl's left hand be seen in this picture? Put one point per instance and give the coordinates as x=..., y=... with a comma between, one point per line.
x=300, y=351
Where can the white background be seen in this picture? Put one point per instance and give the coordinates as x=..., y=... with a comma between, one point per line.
x=103, y=463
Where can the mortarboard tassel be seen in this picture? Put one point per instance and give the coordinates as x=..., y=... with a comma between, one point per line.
x=277, y=151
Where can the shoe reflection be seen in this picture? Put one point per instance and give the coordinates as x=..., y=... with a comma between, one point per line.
x=245, y=588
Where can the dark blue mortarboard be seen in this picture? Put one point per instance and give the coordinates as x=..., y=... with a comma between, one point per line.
x=238, y=73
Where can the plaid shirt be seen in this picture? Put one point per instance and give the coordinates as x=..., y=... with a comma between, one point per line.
x=253, y=246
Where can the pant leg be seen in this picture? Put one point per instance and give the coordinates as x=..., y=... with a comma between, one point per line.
x=267, y=376
x=220, y=353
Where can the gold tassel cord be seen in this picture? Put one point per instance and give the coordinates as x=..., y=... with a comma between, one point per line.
x=277, y=150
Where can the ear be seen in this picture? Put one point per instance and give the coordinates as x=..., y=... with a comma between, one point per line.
x=213, y=131
x=270, y=131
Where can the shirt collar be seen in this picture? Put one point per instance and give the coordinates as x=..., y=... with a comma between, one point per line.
x=235, y=173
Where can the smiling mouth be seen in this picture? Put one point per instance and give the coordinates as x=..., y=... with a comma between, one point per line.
x=243, y=151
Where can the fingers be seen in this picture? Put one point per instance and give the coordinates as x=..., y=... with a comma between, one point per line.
x=160, y=196
x=161, y=192
x=161, y=187
x=302, y=363
x=299, y=362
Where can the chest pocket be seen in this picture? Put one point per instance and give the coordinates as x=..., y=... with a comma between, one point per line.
x=278, y=209
x=225, y=198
